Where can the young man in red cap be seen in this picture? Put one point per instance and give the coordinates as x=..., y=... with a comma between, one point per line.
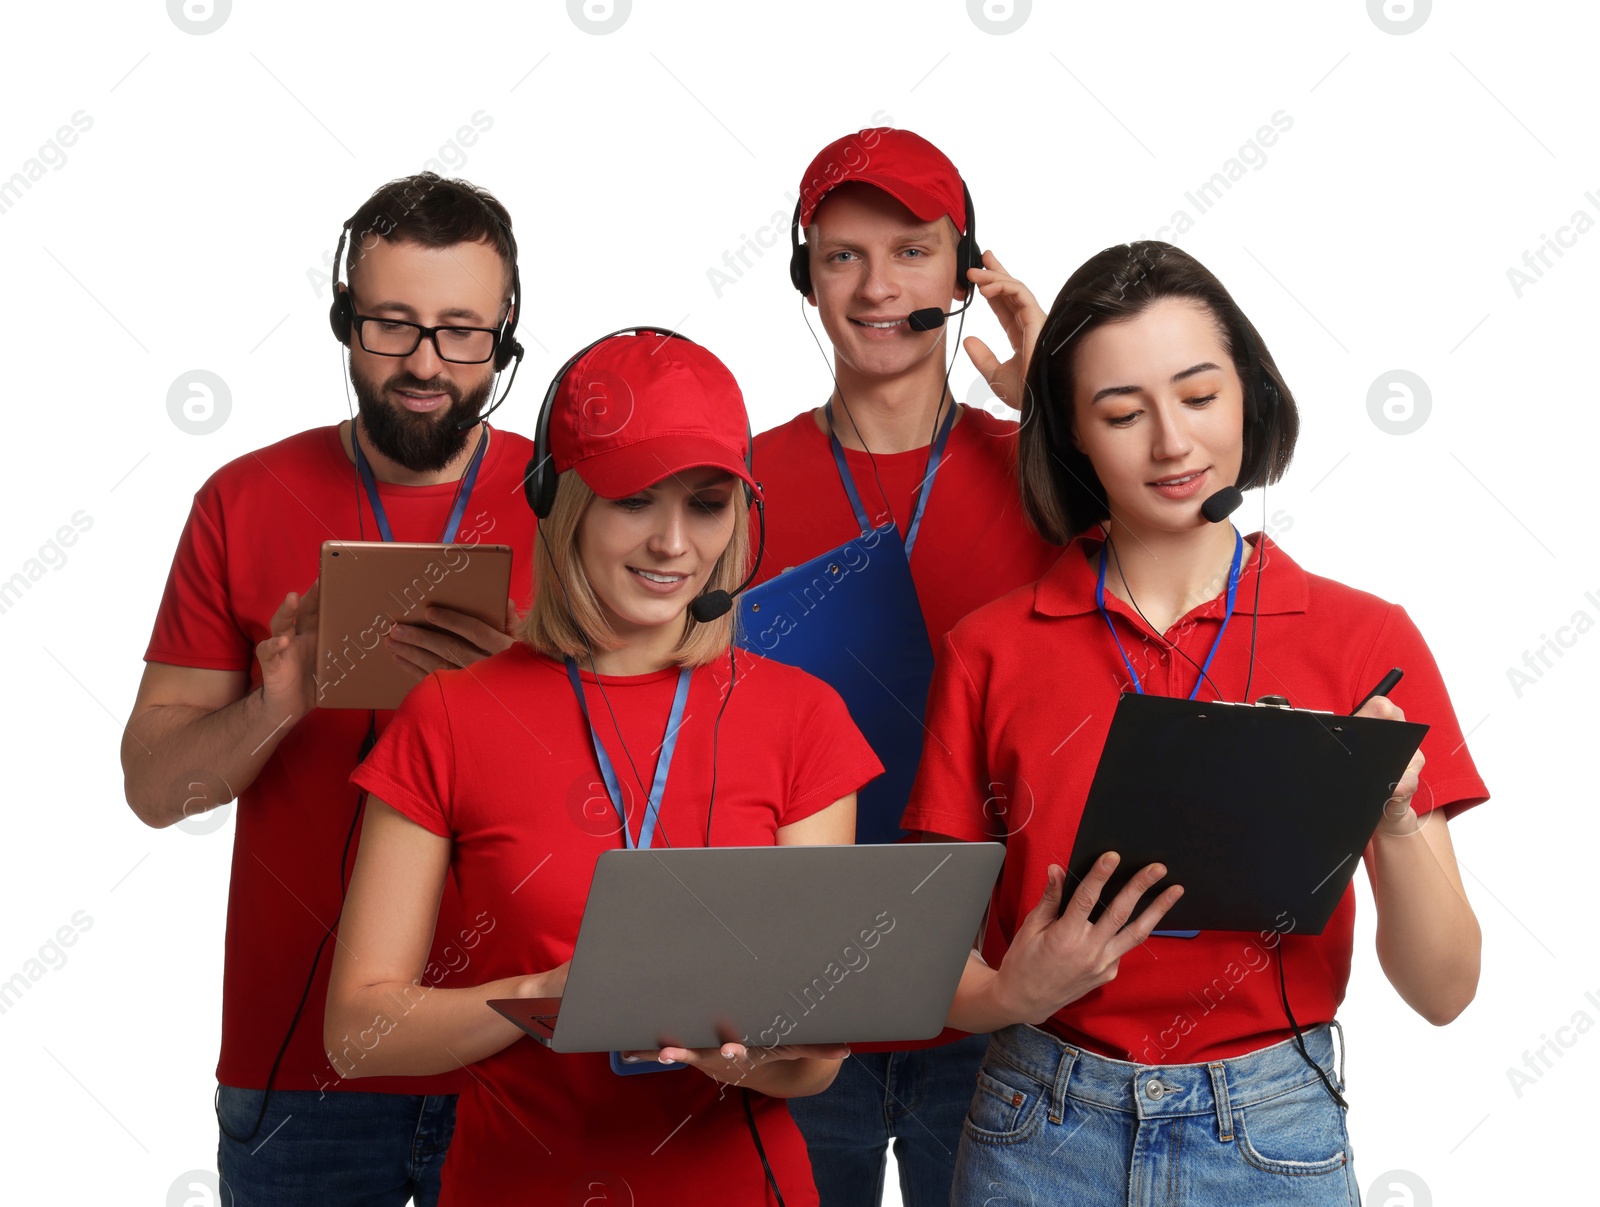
x=227, y=705
x=889, y=243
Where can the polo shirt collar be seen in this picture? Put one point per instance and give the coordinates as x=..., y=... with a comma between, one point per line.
x=1067, y=589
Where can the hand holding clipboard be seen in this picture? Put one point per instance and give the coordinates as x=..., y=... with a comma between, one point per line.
x=1061, y=951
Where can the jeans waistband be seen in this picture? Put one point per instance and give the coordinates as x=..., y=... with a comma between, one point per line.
x=1166, y=1090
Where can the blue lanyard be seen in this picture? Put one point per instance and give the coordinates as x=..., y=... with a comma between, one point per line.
x=1233, y=588
x=669, y=744
x=463, y=492
x=935, y=457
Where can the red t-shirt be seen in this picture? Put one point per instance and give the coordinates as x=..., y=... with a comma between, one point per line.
x=528, y=816
x=974, y=544
x=253, y=535
x=1021, y=704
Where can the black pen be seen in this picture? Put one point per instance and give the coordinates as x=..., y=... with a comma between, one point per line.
x=1385, y=686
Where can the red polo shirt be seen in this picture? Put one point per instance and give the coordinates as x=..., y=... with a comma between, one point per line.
x=1019, y=710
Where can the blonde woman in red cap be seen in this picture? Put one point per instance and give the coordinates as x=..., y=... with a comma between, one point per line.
x=917, y=496
x=493, y=772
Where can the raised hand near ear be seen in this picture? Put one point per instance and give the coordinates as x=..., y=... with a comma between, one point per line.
x=1019, y=314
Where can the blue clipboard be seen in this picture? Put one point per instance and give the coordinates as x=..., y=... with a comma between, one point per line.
x=851, y=617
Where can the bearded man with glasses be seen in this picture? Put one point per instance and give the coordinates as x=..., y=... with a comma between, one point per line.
x=227, y=704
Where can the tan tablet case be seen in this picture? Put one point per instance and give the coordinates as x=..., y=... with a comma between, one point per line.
x=369, y=586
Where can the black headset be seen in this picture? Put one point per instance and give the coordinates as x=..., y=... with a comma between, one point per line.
x=967, y=253
x=342, y=313
x=539, y=482
x=1261, y=396
x=1262, y=400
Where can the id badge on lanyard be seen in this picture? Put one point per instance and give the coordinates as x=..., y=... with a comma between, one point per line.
x=851, y=617
x=652, y=807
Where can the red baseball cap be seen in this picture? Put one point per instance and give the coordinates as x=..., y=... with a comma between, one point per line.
x=640, y=407
x=905, y=165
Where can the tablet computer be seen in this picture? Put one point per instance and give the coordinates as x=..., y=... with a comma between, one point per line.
x=369, y=586
x=1261, y=813
x=698, y=946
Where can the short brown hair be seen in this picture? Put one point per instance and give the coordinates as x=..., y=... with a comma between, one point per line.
x=567, y=620
x=1060, y=490
x=434, y=211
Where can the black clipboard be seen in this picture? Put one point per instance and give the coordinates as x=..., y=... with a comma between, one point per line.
x=1261, y=812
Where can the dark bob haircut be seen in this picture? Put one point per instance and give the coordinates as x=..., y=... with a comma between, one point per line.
x=1060, y=491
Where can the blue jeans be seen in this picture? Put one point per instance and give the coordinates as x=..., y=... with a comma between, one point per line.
x=1053, y=1124
x=917, y=1099
x=346, y=1149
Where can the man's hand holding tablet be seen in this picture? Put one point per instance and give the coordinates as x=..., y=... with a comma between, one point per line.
x=448, y=639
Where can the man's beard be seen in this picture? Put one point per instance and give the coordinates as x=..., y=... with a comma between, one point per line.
x=423, y=442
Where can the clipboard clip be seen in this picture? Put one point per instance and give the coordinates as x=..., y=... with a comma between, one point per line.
x=1281, y=703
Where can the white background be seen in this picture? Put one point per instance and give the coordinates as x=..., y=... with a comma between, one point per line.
x=184, y=229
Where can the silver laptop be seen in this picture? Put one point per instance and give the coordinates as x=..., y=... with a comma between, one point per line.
x=696, y=946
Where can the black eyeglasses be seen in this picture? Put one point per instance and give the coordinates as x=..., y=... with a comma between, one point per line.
x=458, y=345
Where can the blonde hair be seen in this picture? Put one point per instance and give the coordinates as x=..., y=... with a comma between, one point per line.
x=567, y=619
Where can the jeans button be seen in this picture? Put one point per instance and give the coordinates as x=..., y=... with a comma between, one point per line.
x=1154, y=1089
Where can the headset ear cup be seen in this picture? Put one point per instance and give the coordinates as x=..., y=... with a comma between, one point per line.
x=1270, y=398
x=530, y=482
x=506, y=347
x=800, y=269
x=342, y=313
x=539, y=485
x=799, y=255
x=1262, y=402
x=967, y=256
x=968, y=253
x=341, y=316
x=506, y=350
x=539, y=482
